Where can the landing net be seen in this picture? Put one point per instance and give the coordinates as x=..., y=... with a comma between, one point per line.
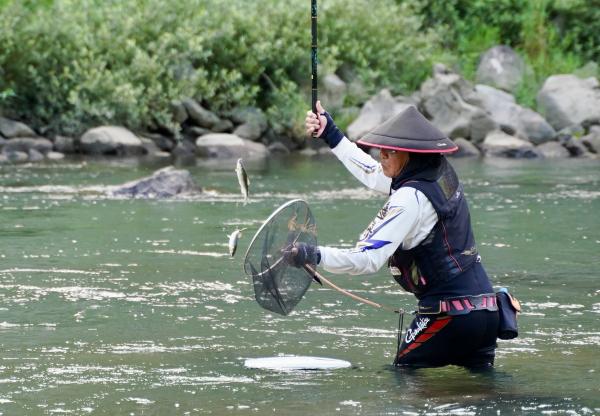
x=278, y=287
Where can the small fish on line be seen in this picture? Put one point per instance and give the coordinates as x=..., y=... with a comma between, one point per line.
x=243, y=180
x=234, y=238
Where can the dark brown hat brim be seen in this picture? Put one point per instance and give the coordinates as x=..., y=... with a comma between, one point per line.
x=409, y=131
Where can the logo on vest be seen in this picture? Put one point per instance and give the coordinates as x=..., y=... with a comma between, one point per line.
x=411, y=334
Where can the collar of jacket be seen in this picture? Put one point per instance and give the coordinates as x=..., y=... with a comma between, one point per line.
x=420, y=167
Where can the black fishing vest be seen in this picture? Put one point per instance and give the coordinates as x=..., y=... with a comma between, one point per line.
x=449, y=249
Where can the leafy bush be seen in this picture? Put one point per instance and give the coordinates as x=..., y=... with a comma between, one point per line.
x=78, y=63
x=66, y=65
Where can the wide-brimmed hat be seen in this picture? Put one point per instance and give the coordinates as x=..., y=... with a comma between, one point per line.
x=409, y=131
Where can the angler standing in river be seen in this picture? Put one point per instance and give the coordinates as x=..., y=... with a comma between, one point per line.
x=423, y=233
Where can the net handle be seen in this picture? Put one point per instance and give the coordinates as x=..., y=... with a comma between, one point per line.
x=332, y=285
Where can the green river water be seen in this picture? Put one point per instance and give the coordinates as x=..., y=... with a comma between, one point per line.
x=133, y=307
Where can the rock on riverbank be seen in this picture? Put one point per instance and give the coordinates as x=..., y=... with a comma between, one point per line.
x=484, y=119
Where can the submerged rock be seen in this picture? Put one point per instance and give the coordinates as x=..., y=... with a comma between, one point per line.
x=164, y=183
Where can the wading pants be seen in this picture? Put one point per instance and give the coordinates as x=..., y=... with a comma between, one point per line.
x=438, y=340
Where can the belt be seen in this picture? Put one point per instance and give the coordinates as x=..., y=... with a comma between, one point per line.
x=460, y=305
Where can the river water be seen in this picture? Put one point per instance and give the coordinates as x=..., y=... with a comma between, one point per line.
x=133, y=307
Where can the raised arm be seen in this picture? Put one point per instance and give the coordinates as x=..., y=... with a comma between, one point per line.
x=360, y=164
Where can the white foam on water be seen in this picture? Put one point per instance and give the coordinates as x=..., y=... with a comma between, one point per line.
x=203, y=380
x=353, y=332
x=65, y=271
x=140, y=400
x=295, y=362
x=360, y=194
x=189, y=253
x=8, y=325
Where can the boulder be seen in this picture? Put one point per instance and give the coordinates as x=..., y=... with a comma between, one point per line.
x=252, y=122
x=376, y=111
x=200, y=115
x=501, y=67
x=185, y=150
x=25, y=144
x=566, y=100
x=229, y=146
x=592, y=141
x=15, y=156
x=164, y=183
x=223, y=126
x=241, y=115
x=193, y=132
x=55, y=156
x=590, y=124
x=150, y=148
x=112, y=141
x=574, y=145
x=510, y=116
x=553, y=150
x=590, y=69
x=11, y=128
x=500, y=144
x=465, y=149
x=333, y=92
x=278, y=148
x=573, y=138
x=481, y=125
x=179, y=111
x=250, y=131
x=164, y=143
x=454, y=106
x=35, y=156
x=64, y=144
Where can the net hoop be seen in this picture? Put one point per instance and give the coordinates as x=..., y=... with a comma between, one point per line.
x=268, y=221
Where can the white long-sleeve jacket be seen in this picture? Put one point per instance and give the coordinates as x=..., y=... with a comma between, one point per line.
x=406, y=218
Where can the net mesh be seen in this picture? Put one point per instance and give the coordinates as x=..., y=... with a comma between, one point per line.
x=278, y=287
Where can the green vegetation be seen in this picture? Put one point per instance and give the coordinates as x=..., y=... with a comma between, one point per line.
x=553, y=36
x=66, y=65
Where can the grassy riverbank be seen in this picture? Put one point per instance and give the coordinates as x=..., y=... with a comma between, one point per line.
x=66, y=65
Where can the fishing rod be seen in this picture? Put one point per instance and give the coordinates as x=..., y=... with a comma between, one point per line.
x=314, y=78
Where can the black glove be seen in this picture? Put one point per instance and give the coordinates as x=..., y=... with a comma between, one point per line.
x=300, y=254
x=332, y=135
